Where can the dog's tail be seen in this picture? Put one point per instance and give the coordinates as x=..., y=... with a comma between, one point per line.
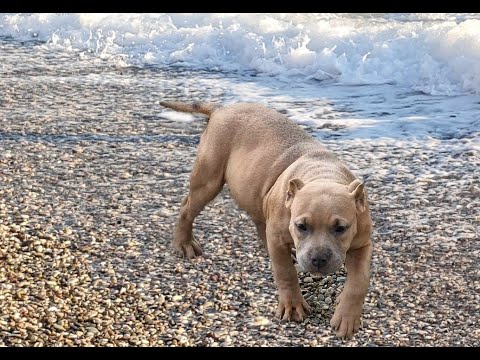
x=197, y=107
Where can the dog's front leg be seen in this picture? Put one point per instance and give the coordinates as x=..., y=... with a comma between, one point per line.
x=346, y=319
x=291, y=304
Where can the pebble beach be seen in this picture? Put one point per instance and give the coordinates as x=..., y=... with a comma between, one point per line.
x=85, y=256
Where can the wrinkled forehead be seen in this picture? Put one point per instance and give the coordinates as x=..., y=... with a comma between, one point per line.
x=323, y=203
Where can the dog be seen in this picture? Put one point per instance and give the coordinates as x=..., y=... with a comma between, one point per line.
x=298, y=194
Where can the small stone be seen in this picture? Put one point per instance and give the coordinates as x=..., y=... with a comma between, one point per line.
x=475, y=190
x=59, y=327
x=328, y=300
x=308, y=279
x=259, y=321
x=31, y=327
x=92, y=330
x=183, y=340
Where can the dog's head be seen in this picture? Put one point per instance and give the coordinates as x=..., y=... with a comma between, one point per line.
x=323, y=222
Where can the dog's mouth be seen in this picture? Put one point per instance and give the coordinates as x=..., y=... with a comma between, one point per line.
x=313, y=273
x=327, y=270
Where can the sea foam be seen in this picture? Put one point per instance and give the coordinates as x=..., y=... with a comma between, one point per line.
x=437, y=54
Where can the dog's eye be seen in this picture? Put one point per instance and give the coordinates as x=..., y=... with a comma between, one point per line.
x=301, y=226
x=340, y=229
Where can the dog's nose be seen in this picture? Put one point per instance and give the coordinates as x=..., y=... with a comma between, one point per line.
x=321, y=258
x=319, y=262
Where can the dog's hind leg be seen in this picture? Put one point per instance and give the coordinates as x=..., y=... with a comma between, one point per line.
x=206, y=181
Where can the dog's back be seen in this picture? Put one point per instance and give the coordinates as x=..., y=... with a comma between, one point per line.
x=254, y=144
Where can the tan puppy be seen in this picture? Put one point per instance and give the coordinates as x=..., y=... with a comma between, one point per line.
x=297, y=193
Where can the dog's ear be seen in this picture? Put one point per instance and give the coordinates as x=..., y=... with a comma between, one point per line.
x=293, y=186
x=356, y=189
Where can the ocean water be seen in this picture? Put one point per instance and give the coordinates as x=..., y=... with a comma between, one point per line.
x=357, y=76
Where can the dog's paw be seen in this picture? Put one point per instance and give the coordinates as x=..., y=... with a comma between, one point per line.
x=189, y=249
x=292, y=308
x=346, y=321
